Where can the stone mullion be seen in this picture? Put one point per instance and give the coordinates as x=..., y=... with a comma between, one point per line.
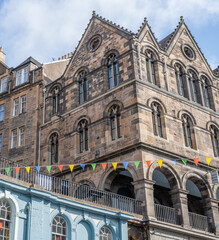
x=178, y=83
x=188, y=90
x=200, y=93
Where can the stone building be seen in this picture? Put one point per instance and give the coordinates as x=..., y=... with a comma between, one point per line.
x=126, y=97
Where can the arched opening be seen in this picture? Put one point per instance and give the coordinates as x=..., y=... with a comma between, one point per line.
x=105, y=233
x=84, y=231
x=198, y=204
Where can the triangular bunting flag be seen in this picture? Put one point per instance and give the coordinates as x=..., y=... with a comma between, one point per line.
x=173, y=160
x=160, y=162
x=60, y=167
x=93, y=165
x=17, y=170
x=184, y=160
x=83, y=166
x=137, y=164
x=196, y=161
x=208, y=160
x=7, y=170
x=28, y=169
x=114, y=165
x=48, y=168
x=125, y=164
x=104, y=166
x=71, y=167
x=38, y=169
x=148, y=163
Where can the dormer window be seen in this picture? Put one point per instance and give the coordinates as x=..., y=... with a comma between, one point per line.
x=21, y=76
x=4, y=82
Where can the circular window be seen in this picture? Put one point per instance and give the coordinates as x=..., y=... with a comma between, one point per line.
x=94, y=43
x=188, y=52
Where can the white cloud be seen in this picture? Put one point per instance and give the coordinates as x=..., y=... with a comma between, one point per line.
x=51, y=28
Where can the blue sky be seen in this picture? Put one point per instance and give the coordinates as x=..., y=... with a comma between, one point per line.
x=47, y=29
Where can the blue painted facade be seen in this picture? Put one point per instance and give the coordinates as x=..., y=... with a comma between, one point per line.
x=33, y=210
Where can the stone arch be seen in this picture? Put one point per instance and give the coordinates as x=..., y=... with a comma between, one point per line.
x=191, y=68
x=177, y=61
x=152, y=49
x=87, y=182
x=157, y=100
x=107, y=54
x=169, y=172
x=109, y=105
x=210, y=123
x=109, y=225
x=80, y=69
x=54, y=85
x=202, y=74
x=87, y=118
x=182, y=112
x=51, y=132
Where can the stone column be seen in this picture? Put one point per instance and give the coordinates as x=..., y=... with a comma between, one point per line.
x=180, y=202
x=188, y=90
x=200, y=93
x=144, y=191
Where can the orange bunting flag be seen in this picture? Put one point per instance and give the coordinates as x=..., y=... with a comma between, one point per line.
x=196, y=161
x=28, y=169
x=71, y=167
x=148, y=163
x=60, y=167
x=114, y=165
x=160, y=162
x=17, y=170
x=208, y=161
x=104, y=166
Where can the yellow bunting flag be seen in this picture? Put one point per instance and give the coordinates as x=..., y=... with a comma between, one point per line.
x=28, y=169
x=208, y=160
x=160, y=162
x=71, y=167
x=114, y=165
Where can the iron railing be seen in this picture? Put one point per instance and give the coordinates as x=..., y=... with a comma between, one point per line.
x=71, y=189
x=166, y=214
x=198, y=221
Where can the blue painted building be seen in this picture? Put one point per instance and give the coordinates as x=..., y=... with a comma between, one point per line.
x=31, y=213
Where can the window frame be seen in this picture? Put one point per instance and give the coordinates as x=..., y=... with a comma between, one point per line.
x=54, y=148
x=103, y=235
x=23, y=104
x=83, y=136
x=4, y=204
x=55, y=234
x=187, y=126
x=112, y=71
x=21, y=136
x=22, y=76
x=158, y=124
x=14, y=138
x=215, y=139
x=16, y=107
x=4, y=82
x=0, y=142
x=2, y=112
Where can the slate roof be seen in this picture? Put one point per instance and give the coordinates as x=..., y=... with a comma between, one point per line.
x=163, y=43
x=28, y=60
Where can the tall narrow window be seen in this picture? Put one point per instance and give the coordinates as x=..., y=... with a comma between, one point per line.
x=22, y=76
x=82, y=87
x=114, y=115
x=23, y=104
x=0, y=142
x=14, y=138
x=113, y=75
x=83, y=135
x=187, y=131
x=54, y=148
x=150, y=64
x=205, y=91
x=55, y=101
x=193, y=86
x=215, y=140
x=21, y=137
x=180, y=80
x=105, y=233
x=157, y=120
x=16, y=107
x=5, y=220
x=59, y=228
x=4, y=82
x=2, y=109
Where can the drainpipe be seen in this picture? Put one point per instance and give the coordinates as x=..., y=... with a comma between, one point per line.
x=39, y=146
x=165, y=72
x=28, y=220
x=139, y=59
x=44, y=104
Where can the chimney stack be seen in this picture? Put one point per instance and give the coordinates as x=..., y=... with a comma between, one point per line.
x=2, y=55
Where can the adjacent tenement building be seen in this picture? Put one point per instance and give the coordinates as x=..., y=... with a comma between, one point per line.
x=126, y=98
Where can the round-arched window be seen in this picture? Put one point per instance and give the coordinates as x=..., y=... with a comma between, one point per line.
x=105, y=233
x=5, y=219
x=59, y=228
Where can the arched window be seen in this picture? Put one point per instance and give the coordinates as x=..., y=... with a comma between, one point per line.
x=187, y=131
x=105, y=233
x=193, y=85
x=150, y=67
x=113, y=76
x=54, y=148
x=59, y=228
x=215, y=140
x=83, y=135
x=157, y=119
x=180, y=80
x=82, y=87
x=55, y=101
x=114, y=114
x=5, y=219
x=205, y=91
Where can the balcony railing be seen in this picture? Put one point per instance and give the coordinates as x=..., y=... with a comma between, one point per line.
x=198, y=221
x=75, y=190
x=166, y=214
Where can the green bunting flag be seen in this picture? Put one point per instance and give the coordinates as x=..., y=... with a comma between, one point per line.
x=93, y=165
x=7, y=170
x=48, y=168
x=137, y=164
x=184, y=160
